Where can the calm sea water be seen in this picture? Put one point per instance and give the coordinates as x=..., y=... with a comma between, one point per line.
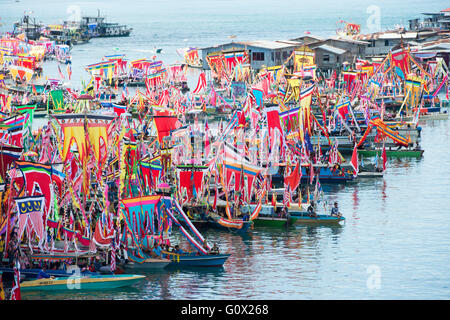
x=395, y=242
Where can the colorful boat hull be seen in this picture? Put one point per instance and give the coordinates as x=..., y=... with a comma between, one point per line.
x=392, y=153
x=34, y=273
x=273, y=222
x=191, y=260
x=151, y=264
x=320, y=219
x=81, y=283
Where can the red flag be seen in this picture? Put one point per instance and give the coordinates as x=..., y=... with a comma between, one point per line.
x=384, y=157
x=293, y=179
x=215, y=200
x=354, y=161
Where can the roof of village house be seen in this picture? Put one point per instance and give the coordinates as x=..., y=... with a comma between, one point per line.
x=395, y=34
x=347, y=39
x=331, y=49
x=266, y=44
x=309, y=36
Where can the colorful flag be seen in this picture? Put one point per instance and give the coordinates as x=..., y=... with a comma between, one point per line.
x=113, y=255
x=31, y=217
x=201, y=83
x=60, y=73
x=354, y=162
x=15, y=291
x=69, y=70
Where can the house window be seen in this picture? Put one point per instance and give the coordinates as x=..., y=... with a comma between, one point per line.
x=326, y=58
x=386, y=43
x=273, y=56
x=258, y=56
x=285, y=55
x=278, y=55
x=371, y=44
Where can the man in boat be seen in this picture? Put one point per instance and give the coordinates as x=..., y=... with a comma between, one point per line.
x=335, y=210
x=417, y=147
x=178, y=250
x=283, y=212
x=215, y=249
x=156, y=252
x=312, y=209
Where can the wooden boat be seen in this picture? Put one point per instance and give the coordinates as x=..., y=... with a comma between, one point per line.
x=370, y=174
x=98, y=282
x=300, y=217
x=341, y=174
x=406, y=153
x=194, y=66
x=275, y=222
x=369, y=171
x=214, y=223
x=267, y=217
x=148, y=264
x=193, y=260
x=34, y=273
x=430, y=116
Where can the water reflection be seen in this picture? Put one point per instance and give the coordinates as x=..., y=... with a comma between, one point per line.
x=355, y=203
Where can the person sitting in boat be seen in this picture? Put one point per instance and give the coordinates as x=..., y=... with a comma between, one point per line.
x=335, y=210
x=156, y=252
x=178, y=250
x=97, y=264
x=42, y=274
x=312, y=210
x=283, y=212
x=417, y=147
x=215, y=249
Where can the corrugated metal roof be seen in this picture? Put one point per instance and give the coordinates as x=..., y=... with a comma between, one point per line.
x=331, y=49
x=266, y=44
x=269, y=44
x=393, y=35
x=347, y=39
